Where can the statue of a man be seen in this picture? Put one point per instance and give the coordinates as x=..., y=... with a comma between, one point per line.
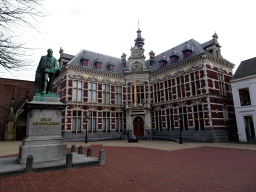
x=46, y=72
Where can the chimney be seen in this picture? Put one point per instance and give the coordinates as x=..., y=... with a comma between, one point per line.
x=152, y=56
x=123, y=57
x=60, y=59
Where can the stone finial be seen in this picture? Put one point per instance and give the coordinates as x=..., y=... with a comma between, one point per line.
x=61, y=50
x=215, y=35
x=152, y=56
x=123, y=57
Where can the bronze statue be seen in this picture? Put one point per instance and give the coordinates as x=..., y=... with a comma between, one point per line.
x=46, y=72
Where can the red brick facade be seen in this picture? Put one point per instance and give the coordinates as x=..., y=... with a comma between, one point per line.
x=7, y=88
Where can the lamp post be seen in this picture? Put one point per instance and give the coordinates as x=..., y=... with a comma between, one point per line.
x=180, y=119
x=86, y=120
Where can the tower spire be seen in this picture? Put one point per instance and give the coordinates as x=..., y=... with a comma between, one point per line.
x=139, y=41
x=138, y=23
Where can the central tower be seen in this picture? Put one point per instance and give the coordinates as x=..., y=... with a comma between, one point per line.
x=138, y=116
x=136, y=62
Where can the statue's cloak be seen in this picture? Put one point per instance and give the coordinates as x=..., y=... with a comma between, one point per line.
x=44, y=67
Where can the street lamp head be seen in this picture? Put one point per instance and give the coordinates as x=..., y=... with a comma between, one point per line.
x=86, y=119
x=180, y=117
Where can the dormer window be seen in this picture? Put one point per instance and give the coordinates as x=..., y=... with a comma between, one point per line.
x=99, y=65
x=172, y=59
x=162, y=63
x=84, y=62
x=185, y=54
x=187, y=50
x=111, y=68
x=174, y=56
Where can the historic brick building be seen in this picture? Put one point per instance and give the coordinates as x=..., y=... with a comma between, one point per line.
x=13, y=95
x=190, y=80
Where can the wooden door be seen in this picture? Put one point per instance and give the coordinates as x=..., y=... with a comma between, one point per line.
x=138, y=126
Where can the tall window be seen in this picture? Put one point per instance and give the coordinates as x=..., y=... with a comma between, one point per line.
x=168, y=90
x=170, y=119
x=106, y=122
x=119, y=121
x=118, y=95
x=157, y=92
x=77, y=91
x=221, y=84
x=158, y=120
x=184, y=121
x=105, y=93
x=244, y=96
x=92, y=96
x=76, y=122
x=195, y=83
x=180, y=87
x=140, y=94
x=198, y=117
x=92, y=123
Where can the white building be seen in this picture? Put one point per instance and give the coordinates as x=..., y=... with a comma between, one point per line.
x=244, y=93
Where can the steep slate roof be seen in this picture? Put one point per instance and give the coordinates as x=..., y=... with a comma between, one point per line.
x=197, y=50
x=67, y=56
x=94, y=57
x=207, y=44
x=246, y=68
x=155, y=66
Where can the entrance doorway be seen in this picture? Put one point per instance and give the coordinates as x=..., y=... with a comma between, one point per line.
x=138, y=126
x=250, y=133
x=21, y=126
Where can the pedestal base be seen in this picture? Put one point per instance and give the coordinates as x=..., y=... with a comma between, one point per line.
x=44, y=148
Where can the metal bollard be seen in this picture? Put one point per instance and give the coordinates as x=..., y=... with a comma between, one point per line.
x=89, y=152
x=73, y=148
x=69, y=160
x=102, y=157
x=80, y=149
x=29, y=164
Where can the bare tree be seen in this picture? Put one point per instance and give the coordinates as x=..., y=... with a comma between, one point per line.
x=15, y=14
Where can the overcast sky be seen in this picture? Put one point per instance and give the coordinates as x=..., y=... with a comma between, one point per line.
x=109, y=27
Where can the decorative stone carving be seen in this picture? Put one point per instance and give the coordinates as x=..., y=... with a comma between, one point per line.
x=136, y=67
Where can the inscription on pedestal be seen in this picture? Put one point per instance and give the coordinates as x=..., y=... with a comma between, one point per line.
x=44, y=122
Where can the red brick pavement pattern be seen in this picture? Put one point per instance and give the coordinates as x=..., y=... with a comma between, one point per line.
x=142, y=169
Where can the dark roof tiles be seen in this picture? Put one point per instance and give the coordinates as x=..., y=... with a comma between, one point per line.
x=67, y=56
x=246, y=68
x=153, y=66
x=93, y=57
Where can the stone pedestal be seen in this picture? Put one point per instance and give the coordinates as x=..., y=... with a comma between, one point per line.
x=43, y=140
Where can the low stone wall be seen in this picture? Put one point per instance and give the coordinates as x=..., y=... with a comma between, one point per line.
x=206, y=135
x=69, y=136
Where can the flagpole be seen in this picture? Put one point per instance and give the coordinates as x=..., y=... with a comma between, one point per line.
x=135, y=92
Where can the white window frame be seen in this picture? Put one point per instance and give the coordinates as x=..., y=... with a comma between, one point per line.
x=75, y=121
x=93, y=97
x=77, y=91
